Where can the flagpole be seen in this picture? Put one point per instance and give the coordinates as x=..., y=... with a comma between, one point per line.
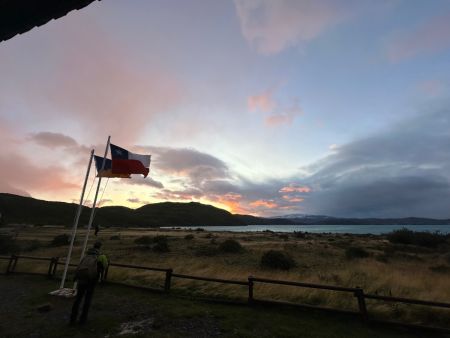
x=75, y=223
x=91, y=218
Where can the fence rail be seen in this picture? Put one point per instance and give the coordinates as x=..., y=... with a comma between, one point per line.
x=357, y=292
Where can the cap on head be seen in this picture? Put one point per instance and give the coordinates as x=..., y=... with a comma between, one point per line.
x=97, y=244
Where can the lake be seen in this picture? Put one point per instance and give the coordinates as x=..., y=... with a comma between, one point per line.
x=352, y=229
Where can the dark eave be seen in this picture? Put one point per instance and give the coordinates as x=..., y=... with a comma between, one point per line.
x=19, y=16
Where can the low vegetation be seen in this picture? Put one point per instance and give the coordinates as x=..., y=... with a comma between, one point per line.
x=356, y=252
x=230, y=246
x=274, y=259
x=420, y=238
x=60, y=240
x=8, y=245
x=374, y=263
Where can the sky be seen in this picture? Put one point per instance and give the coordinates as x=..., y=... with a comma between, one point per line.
x=332, y=107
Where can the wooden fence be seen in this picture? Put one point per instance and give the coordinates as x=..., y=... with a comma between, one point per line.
x=357, y=292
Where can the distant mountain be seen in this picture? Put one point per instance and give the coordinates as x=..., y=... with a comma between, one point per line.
x=302, y=217
x=26, y=210
x=305, y=219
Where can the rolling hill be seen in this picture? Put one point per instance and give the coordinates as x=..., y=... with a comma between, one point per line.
x=26, y=210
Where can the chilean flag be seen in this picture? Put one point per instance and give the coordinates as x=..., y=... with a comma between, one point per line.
x=107, y=168
x=125, y=162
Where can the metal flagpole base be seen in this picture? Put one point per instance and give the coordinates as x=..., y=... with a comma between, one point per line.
x=64, y=292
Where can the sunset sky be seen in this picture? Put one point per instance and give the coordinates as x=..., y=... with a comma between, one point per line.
x=266, y=107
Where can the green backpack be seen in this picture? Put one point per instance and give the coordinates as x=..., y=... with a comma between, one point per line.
x=87, y=270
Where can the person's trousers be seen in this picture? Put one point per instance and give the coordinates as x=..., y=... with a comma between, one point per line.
x=84, y=291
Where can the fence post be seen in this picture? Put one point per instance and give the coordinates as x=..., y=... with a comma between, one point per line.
x=55, y=265
x=168, y=280
x=250, y=289
x=50, y=267
x=10, y=263
x=16, y=258
x=359, y=294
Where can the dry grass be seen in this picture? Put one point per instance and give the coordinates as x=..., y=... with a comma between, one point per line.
x=401, y=271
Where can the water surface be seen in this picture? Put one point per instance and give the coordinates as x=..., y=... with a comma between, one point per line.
x=351, y=229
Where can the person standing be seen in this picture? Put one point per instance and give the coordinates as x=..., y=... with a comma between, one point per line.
x=87, y=275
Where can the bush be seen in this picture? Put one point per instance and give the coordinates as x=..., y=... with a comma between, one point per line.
x=189, y=237
x=161, y=247
x=206, y=250
x=299, y=234
x=284, y=237
x=33, y=245
x=8, y=245
x=60, y=240
x=230, y=246
x=420, y=238
x=143, y=240
x=356, y=252
x=160, y=239
x=274, y=259
x=115, y=238
x=199, y=229
x=447, y=258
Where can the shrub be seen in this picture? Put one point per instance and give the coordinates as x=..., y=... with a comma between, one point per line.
x=230, y=246
x=355, y=252
x=199, y=229
x=284, y=237
x=447, y=258
x=33, y=245
x=115, y=238
x=160, y=239
x=206, y=250
x=60, y=240
x=189, y=237
x=8, y=245
x=274, y=259
x=299, y=234
x=440, y=269
x=143, y=240
x=161, y=247
x=420, y=238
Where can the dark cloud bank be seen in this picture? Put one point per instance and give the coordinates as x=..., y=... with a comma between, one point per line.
x=404, y=171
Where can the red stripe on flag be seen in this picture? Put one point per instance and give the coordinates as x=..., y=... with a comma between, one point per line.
x=121, y=166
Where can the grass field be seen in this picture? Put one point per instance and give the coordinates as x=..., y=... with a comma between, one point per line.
x=384, y=268
x=116, y=308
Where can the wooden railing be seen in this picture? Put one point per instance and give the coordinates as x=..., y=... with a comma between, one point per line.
x=357, y=292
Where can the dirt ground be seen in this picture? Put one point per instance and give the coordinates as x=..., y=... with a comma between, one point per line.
x=26, y=310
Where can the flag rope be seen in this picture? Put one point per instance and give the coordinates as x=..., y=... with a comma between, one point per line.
x=90, y=189
x=101, y=197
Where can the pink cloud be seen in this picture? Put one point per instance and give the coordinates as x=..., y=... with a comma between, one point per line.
x=272, y=26
x=432, y=36
x=262, y=102
x=278, y=119
x=284, y=115
x=264, y=203
x=93, y=86
x=432, y=88
x=20, y=175
x=281, y=113
x=293, y=199
x=295, y=188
